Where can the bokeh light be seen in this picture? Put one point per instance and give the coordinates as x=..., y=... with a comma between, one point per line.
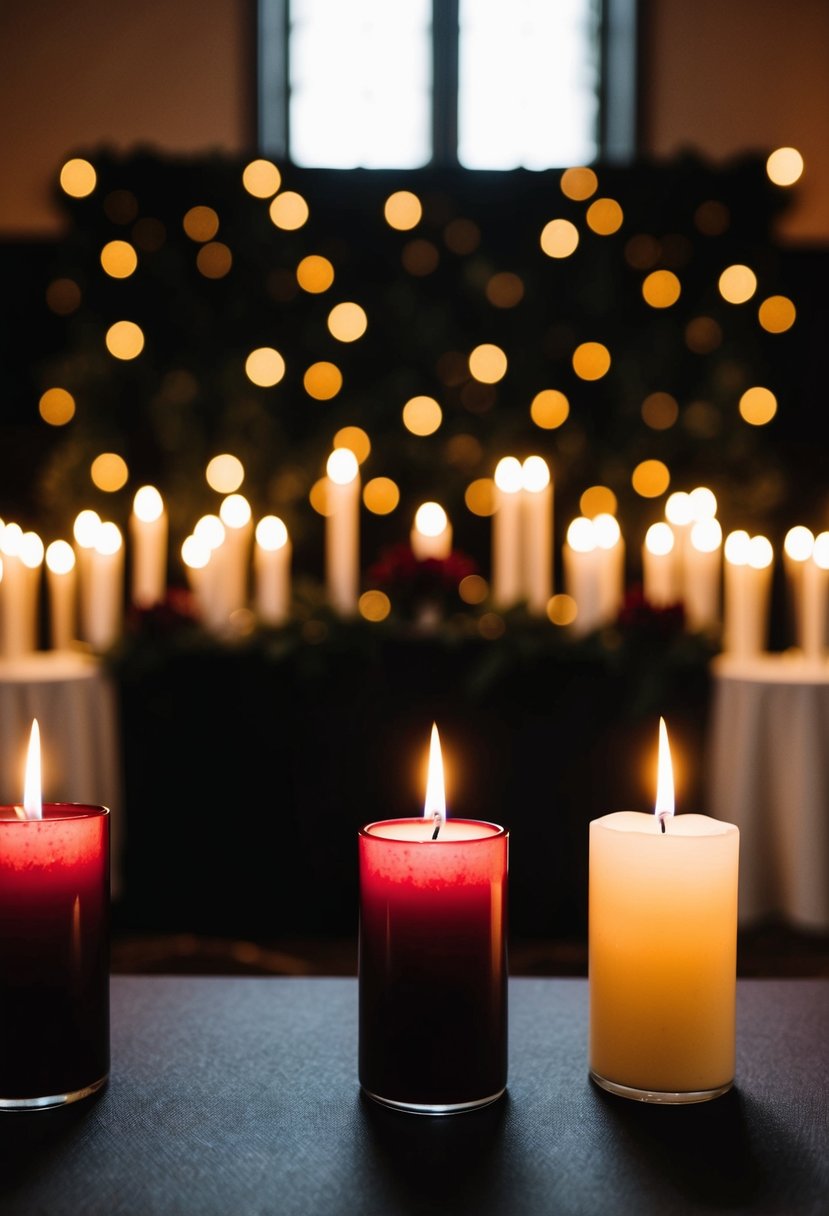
x=605, y=216
x=758, y=405
x=737, y=283
x=322, y=380
x=347, y=321
x=288, y=211
x=224, y=473
x=660, y=411
x=488, y=363
x=381, y=495
x=422, y=415
x=706, y=535
x=479, y=496
x=559, y=238
x=430, y=519
x=549, y=409
x=661, y=289
x=473, y=589
x=679, y=509
x=579, y=183
x=650, y=478
x=598, y=500
x=109, y=472
x=125, y=340
x=315, y=274
x=462, y=236
x=342, y=466
x=591, y=361
x=86, y=527
x=703, y=503
x=214, y=260
x=777, y=314
x=265, y=366
x=798, y=543
x=562, y=609
x=119, y=259
x=419, y=258
x=784, y=166
x=703, y=335
x=60, y=557
x=535, y=474
x=509, y=477
x=63, y=297
x=57, y=406
x=78, y=177
x=147, y=504
x=261, y=178
x=504, y=290
x=402, y=210
x=374, y=605
x=659, y=539
x=271, y=533
x=201, y=223
x=355, y=439
x=234, y=511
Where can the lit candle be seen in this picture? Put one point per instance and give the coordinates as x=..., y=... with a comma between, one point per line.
x=507, y=582
x=272, y=566
x=798, y=544
x=432, y=958
x=54, y=947
x=747, y=587
x=61, y=585
x=537, y=512
x=22, y=561
x=679, y=512
x=814, y=592
x=205, y=561
x=342, y=531
x=662, y=950
x=148, y=534
x=610, y=552
x=235, y=514
x=106, y=588
x=583, y=574
x=660, y=581
x=703, y=575
x=85, y=532
x=431, y=533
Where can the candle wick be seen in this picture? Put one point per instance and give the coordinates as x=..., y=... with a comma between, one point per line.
x=662, y=818
x=437, y=826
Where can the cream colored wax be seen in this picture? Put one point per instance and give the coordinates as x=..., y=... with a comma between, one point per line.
x=662, y=951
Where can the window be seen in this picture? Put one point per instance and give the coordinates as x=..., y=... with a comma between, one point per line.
x=486, y=84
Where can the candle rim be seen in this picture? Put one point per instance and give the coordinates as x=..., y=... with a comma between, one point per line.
x=65, y=811
x=647, y=824
x=498, y=831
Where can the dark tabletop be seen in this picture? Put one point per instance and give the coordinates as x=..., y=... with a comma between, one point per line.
x=239, y=1097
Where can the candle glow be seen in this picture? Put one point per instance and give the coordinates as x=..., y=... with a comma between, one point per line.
x=665, y=778
x=32, y=801
x=435, y=804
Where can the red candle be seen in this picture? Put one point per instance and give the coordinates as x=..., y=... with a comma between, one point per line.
x=433, y=959
x=54, y=952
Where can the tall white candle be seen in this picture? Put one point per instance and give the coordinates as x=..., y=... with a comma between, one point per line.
x=814, y=597
x=507, y=582
x=431, y=533
x=679, y=512
x=537, y=521
x=610, y=552
x=746, y=591
x=195, y=555
x=19, y=591
x=660, y=573
x=703, y=575
x=148, y=527
x=61, y=583
x=342, y=531
x=798, y=544
x=106, y=588
x=582, y=571
x=85, y=532
x=235, y=514
x=272, y=569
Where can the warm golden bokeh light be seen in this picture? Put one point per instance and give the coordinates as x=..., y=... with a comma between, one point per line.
x=605, y=216
x=777, y=314
x=214, y=260
x=347, y=321
x=679, y=509
x=660, y=411
x=737, y=284
x=125, y=340
x=549, y=409
x=591, y=361
x=703, y=503
x=706, y=535
x=559, y=238
x=473, y=589
x=422, y=415
x=535, y=474
x=235, y=511
x=784, y=166
x=342, y=466
x=505, y=290
x=119, y=259
x=288, y=211
x=381, y=495
x=488, y=363
x=579, y=183
x=598, y=500
x=355, y=439
x=86, y=527
x=562, y=609
x=322, y=380
x=402, y=210
x=224, y=473
x=659, y=539
x=271, y=533
x=109, y=539
x=57, y=406
x=63, y=297
x=758, y=405
x=315, y=274
x=650, y=478
x=147, y=504
x=261, y=178
x=479, y=496
x=661, y=289
x=60, y=557
x=201, y=223
x=702, y=335
x=419, y=257
x=78, y=178
x=799, y=543
x=491, y=626
x=265, y=366
x=109, y=472
x=374, y=605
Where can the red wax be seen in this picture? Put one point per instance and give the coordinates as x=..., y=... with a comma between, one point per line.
x=433, y=962
x=54, y=951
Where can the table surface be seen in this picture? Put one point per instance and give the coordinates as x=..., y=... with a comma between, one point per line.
x=238, y=1097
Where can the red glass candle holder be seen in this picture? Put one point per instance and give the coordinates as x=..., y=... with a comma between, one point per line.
x=433, y=964
x=54, y=955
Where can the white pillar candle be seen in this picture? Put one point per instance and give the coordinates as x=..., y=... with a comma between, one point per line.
x=235, y=515
x=747, y=587
x=342, y=531
x=205, y=564
x=106, y=588
x=703, y=576
x=61, y=583
x=507, y=582
x=662, y=951
x=20, y=590
x=537, y=521
x=610, y=552
x=679, y=512
x=814, y=595
x=582, y=571
x=85, y=532
x=660, y=581
x=148, y=527
x=195, y=555
x=272, y=570
x=798, y=544
x=431, y=533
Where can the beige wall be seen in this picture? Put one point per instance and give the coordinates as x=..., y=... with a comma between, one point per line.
x=724, y=76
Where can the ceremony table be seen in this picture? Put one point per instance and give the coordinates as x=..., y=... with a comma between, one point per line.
x=768, y=772
x=239, y=1096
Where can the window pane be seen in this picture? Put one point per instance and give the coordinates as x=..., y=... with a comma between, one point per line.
x=529, y=77
x=360, y=83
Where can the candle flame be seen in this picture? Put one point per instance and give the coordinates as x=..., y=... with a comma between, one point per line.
x=435, y=804
x=665, y=777
x=32, y=804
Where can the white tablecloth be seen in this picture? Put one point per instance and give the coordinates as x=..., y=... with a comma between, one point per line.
x=76, y=706
x=768, y=772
